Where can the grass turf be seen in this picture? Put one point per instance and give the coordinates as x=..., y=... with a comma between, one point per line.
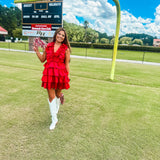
x=100, y=119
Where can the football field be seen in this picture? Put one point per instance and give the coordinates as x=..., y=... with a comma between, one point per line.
x=100, y=119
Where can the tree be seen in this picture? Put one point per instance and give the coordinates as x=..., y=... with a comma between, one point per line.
x=18, y=13
x=125, y=40
x=147, y=39
x=104, y=40
x=96, y=37
x=74, y=39
x=91, y=36
x=86, y=25
x=97, y=41
x=17, y=33
x=112, y=41
x=137, y=41
x=102, y=35
x=75, y=33
x=80, y=34
x=10, y=18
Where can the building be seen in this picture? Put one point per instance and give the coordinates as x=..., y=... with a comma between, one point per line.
x=3, y=32
x=156, y=42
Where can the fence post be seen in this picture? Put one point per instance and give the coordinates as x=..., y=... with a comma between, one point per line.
x=86, y=51
x=25, y=46
x=143, y=57
x=9, y=45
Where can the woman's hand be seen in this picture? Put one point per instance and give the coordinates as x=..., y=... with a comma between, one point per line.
x=42, y=57
x=36, y=49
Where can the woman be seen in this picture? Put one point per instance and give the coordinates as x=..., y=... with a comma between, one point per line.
x=56, y=70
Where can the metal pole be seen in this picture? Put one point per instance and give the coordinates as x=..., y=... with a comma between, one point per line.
x=9, y=45
x=86, y=51
x=143, y=57
x=116, y=38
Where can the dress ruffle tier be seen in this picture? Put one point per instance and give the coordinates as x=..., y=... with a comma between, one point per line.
x=55, y=74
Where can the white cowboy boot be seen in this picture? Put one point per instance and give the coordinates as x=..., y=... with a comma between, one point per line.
x=57, y=104
x=53, y=110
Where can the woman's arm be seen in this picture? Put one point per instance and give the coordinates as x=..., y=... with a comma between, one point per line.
x=67, y=60
x=42, y=57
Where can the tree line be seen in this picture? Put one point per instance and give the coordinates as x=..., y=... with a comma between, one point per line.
x=10, y=19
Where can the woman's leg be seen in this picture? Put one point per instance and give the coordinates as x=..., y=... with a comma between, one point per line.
x=51, y=94
x=53, y=108
x=58, y=94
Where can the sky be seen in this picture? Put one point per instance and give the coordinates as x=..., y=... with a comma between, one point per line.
x=137, y=16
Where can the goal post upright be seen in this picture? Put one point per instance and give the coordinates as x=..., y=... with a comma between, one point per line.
x=116, y=39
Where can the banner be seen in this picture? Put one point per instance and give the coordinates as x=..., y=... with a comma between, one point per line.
x=35, y=33
x=23, y=1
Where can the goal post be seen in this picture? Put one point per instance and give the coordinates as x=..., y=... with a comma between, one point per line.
x=116, y=39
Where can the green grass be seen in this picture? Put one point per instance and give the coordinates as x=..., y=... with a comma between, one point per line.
x=101, y=53
x=100, y=120
x=19, y=46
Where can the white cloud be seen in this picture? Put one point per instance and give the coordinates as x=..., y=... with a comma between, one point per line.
x=141, y=20
x=129, y=24
x=89, y=9
x=158, y=10
x=70, y=18
x=102, y=17
x=154, y=27
x=157, y=15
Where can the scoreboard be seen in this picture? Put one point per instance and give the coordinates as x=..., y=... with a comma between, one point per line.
x=41, y=18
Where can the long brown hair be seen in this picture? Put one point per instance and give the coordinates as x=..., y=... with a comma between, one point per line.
x=65, y=39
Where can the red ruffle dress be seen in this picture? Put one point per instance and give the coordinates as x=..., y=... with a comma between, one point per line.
x=55, y=74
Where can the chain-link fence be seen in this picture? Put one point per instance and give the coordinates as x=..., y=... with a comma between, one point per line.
x=92, y=52
x=121, y=54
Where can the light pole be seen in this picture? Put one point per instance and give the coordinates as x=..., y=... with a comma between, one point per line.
x=116, y=38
